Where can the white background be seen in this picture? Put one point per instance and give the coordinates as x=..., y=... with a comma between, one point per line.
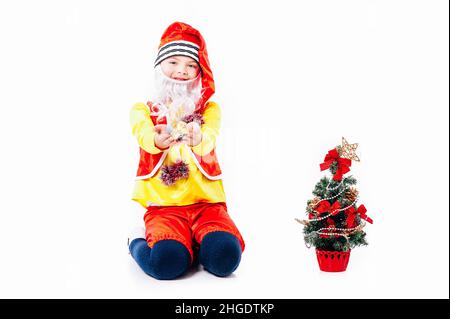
x=292, y=78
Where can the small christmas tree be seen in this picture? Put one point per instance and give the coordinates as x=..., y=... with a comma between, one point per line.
x=335, y=223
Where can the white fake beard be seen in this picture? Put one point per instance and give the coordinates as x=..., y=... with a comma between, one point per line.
x=176, y=98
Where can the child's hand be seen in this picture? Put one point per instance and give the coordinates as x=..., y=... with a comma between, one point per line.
x=194, y=136
x=163, y=139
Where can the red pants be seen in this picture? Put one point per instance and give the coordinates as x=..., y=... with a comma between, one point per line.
x=188, y=224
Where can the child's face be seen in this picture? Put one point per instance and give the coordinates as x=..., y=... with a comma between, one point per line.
x=181, y=68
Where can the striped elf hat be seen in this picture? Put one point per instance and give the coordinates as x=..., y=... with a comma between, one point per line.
x=182, y=39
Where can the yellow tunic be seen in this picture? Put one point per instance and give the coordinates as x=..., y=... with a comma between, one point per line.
x=196, y=188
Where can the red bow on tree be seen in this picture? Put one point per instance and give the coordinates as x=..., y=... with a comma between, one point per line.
x=325, y=206
x=342, y=167
x=352, y=214
x=362, y=213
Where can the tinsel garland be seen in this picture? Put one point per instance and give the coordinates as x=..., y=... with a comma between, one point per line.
x=194, y=117
x=171, y=173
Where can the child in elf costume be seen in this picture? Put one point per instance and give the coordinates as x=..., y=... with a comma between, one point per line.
x=179, y=177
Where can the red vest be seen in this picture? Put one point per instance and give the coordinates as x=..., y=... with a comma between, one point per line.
x=149, y=164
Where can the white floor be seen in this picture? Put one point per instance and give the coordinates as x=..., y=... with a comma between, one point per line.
x=275, y=264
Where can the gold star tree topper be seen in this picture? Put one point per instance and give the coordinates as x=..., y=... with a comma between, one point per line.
x=349, y=150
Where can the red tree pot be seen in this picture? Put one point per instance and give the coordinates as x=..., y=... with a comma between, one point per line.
x=333, y=261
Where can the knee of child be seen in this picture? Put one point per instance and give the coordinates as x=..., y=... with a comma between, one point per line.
x=137, y=245
x=220, y=253
x=169, y=259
